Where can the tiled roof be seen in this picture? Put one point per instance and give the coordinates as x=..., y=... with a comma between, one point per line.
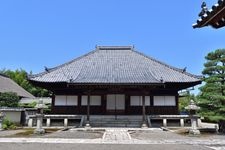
x=114, y=65
x=214, y=17
x=8, y=85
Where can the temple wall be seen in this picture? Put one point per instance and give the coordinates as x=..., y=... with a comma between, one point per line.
x=163, y=103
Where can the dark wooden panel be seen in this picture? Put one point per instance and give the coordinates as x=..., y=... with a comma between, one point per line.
x=97, y=110
x=129, y=110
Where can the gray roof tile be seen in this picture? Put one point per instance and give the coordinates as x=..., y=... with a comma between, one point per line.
x=114, y=64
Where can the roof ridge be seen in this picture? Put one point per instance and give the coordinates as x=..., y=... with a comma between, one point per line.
x=62, y=65
x=114, y=47
x=169, y=66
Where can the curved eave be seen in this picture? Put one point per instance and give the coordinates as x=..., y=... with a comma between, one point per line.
x=182, y=85
x=190, y=83
x=52, y=85
x=95, y=83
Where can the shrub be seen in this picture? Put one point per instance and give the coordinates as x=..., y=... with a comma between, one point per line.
x=7, y=124
x=29, y=105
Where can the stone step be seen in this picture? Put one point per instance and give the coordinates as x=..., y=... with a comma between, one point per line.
x=119, y=122
x=123, y=119
x=116, y=120
x=113, y=123
x=108, y=125
x=126, y=124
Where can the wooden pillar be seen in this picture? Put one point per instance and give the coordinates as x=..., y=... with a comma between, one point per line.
x=143, y=108
x=88, y=110
x=53, y=109
x=143, y=112
x=127, y=104
x=177, y=104
x=103, y=103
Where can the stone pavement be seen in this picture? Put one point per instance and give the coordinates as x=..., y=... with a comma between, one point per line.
x=116, y=135
x=123, y=136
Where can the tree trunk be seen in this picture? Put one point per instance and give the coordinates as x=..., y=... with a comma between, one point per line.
x=222, y=126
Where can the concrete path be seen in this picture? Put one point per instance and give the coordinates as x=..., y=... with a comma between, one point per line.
x=46, y=146
x=116, y=135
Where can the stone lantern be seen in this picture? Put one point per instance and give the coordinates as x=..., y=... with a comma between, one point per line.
x=40, y=115
x=192, y=108
x=2, y=115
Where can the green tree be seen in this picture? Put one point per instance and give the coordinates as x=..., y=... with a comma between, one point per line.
x=20, y=77
x=9, y=99
x=212, y=96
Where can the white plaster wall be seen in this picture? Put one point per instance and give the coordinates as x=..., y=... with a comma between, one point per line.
x=14, y=116
x=72, y=100
x=164, y=101
x=94, y=100
x=137, y=100
x=60, y=100
x=66, y=100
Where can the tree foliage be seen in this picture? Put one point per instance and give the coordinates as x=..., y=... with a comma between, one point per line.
x=20, y=77
x=9, y=99
x=212, y=96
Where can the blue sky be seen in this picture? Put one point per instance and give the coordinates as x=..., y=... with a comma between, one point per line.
x=38, y=33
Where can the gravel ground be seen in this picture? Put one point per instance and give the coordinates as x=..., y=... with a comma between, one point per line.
x=6, y=133
x=42, y=146
x=162, y=135
x=155, y=135
x=76, y=134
